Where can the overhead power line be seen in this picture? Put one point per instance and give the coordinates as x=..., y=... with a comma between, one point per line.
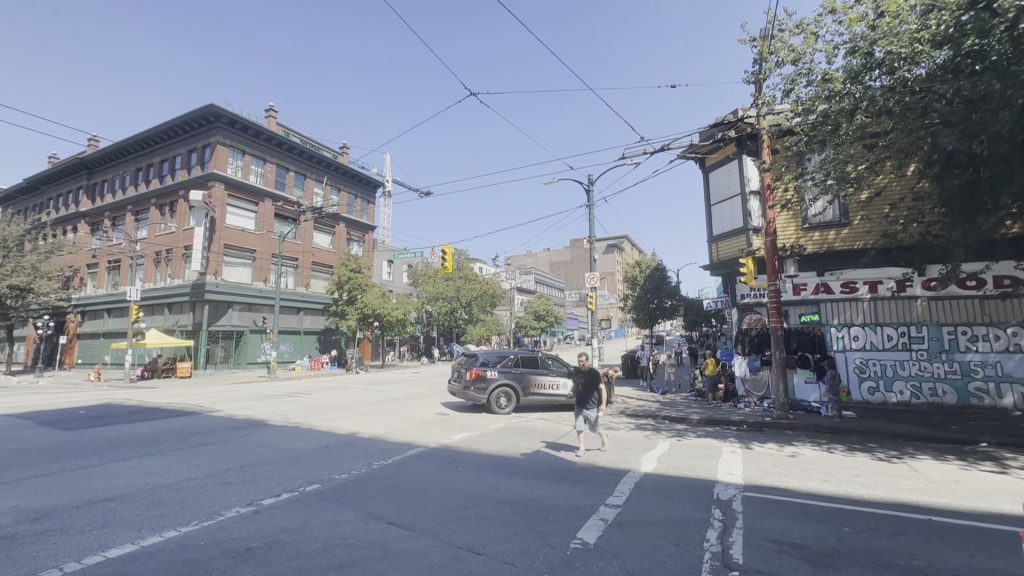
x=61, y=124
x=569, y=68
x=41, y=132
x=469, y=91
x=417, y=125
x=610, y=88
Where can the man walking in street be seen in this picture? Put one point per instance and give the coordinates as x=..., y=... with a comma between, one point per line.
x=643, y=358
x=591, y=400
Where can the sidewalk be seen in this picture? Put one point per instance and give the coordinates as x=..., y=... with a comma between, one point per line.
x=922, y=424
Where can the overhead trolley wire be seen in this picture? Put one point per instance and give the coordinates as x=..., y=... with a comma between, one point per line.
x=61, y=124
x=569, y=68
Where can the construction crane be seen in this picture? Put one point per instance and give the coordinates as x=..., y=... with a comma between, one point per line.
x=386, y=194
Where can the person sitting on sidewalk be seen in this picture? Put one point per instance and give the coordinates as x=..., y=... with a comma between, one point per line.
x=96, y=375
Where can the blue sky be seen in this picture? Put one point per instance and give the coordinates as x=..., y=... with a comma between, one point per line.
x=353, y=71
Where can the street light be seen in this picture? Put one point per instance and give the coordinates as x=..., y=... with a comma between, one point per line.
x=588, y=187
x=680, y=268
x=281, y=235
x=44, y=329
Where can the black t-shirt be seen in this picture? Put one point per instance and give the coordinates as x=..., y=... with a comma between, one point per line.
x=589, y=394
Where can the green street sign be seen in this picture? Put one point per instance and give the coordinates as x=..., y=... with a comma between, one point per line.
x=408, y=255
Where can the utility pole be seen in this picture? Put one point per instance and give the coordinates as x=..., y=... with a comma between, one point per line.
x=588, y=187
x=129, y=353
x=281, y=235
x=771, y=256
x=592, y=241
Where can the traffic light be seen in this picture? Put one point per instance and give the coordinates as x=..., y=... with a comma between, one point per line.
x=748, y=271
x=135, y=314
x=447, y=259
x=591, y=301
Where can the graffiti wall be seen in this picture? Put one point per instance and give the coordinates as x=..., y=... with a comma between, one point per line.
x=963, y=365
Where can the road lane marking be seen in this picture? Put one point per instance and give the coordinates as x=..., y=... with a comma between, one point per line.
x=727, y=507
x=597, y=523
x=886, y=512
x=123, y=549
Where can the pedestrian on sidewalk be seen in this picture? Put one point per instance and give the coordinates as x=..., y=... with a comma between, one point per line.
x=691, y=351
x=832, y=382
x=652, y=367
x=643, y=365
x=591, y=401
x=670, y=374
x=711, y=377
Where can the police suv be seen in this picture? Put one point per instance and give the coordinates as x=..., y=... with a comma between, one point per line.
x=504, y=379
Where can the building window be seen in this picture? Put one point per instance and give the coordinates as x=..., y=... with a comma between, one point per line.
x=318, y=193
x=335, y=197
x=389, y=270
x=195, y=216
x=92, y=278
x=113, y=276
x=60, y=200
x=126, y=181
x=320, y=278
x=405, y=273
x=289, y=273
x=168, y=217
x=366, y=210
x=116, y=182
x=281, y=179
x=96, y=234
x=238, y=263
x=193, y=159
x=257, y=171
x=162, y=268
x=103, y=189
x=299, y=183
x=207, y=156
x=350, y=204
x=820, y=201
x=241, y=213
x=138, y=178
x=285, y=225
x=150, y=174
x=235, y=159
x=138, y=270
x=165, y=171
x=142, y=225
x=323, y=237
x=117, y=229
x=725, y=198
x=186, y=262
x=356, y=244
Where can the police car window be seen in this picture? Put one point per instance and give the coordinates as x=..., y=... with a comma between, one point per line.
x=491, y=360
x=557, y=366
x=529, y=363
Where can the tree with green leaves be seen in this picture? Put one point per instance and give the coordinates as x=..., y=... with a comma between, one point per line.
x=456, y=300
x=359, y=303
x=650, y=296
x=351, y=284
x=33, y=277
x=539, y=316
x=695, y=317
x=482, y=331
x=924, y=92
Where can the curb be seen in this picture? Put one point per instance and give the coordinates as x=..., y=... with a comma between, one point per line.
x=918, y=435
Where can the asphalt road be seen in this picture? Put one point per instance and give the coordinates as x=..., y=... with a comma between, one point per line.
x=386, y=474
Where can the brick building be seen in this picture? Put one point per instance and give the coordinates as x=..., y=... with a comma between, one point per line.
x=190, y=209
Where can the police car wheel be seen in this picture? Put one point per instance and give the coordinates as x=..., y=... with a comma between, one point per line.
x=502, y=401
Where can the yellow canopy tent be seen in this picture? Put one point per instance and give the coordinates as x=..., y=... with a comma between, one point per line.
x=155, y=339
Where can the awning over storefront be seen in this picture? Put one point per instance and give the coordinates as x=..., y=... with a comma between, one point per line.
x=155, y=339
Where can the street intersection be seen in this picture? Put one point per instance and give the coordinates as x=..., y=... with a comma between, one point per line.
x=385, y=473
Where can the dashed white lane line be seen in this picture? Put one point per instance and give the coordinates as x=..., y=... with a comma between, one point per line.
x=599, y=522
x=728, y=493
x=886, y=512
x=164, y=536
